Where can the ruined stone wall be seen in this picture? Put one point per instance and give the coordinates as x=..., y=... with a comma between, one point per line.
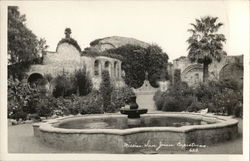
x=216, y=67
x=192, y=73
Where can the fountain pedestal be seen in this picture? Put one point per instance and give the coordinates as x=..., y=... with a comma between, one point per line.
x=133, y=113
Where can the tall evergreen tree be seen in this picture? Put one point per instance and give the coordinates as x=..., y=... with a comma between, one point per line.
x=106, y=90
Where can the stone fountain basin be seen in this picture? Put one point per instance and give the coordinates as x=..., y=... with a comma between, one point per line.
x=133, y=113
x=134, y=140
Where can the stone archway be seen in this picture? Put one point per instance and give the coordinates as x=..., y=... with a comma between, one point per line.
x=97, y=68
x=36, y=80
x=107, y=66
x=232, y=72
x=193, y=74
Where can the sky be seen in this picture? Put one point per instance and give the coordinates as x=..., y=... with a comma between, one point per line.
x=159, y=22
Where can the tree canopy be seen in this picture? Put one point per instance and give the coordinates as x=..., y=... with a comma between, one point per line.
x=205, y=44
x=23, y=45
x=138, y=60
x=156, y=65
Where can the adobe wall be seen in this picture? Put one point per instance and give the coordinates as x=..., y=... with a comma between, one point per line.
x=68, y=59
x=55, y=63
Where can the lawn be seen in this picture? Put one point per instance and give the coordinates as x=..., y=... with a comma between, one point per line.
x=21, y=140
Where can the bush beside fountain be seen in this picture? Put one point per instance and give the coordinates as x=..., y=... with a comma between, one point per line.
x=25, y=102
x=222, y=97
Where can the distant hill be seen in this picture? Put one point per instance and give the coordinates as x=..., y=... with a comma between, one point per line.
x=106, y=43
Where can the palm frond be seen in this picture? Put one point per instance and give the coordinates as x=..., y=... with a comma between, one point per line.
x=195, y=26
x=213, y=20
x=216, y=27
x=204, y=44
x=192, y=31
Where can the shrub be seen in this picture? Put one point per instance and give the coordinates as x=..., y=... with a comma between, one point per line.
x=48, y=77
x=170, y=104
x=106, y=90
x=157, y=95
x=205, y=92
x=21, y=99
x=77, y=83
x=195, y=106
x=177, y=98
x=231, y=84
x=159, y=100
x=72, y=104
x=82, y=82
x=177, y=104
x=44, y=109
x=159, y=103
x=61, y=106
x=238, y=109
x=185, y=102
x=177, y=76
x=220, y=97
x=120, y=97
x=226, y=101
x=63, y=86
x=91, y=104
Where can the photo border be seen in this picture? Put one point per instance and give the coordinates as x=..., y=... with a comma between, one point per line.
x=69, y=156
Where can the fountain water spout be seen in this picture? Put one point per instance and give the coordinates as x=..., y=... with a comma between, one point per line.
x=133, y=113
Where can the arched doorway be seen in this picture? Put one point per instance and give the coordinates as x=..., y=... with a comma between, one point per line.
x=232, y=72
x=107, y=66
x=36, y=80
x=97, y=68
x=193, y=74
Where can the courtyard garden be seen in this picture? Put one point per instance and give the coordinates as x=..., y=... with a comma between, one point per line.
x=73, y=94
x=28, y=105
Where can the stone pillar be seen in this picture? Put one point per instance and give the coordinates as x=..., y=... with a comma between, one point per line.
x=116, y=70
x=119, y=70
x=100, y=68
x=111, y=71
x=102, y=63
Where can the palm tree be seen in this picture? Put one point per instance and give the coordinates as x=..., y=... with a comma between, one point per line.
x=205, y=45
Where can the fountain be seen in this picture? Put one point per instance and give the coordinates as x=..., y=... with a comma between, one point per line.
x=133, y=113
x=117, y=133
